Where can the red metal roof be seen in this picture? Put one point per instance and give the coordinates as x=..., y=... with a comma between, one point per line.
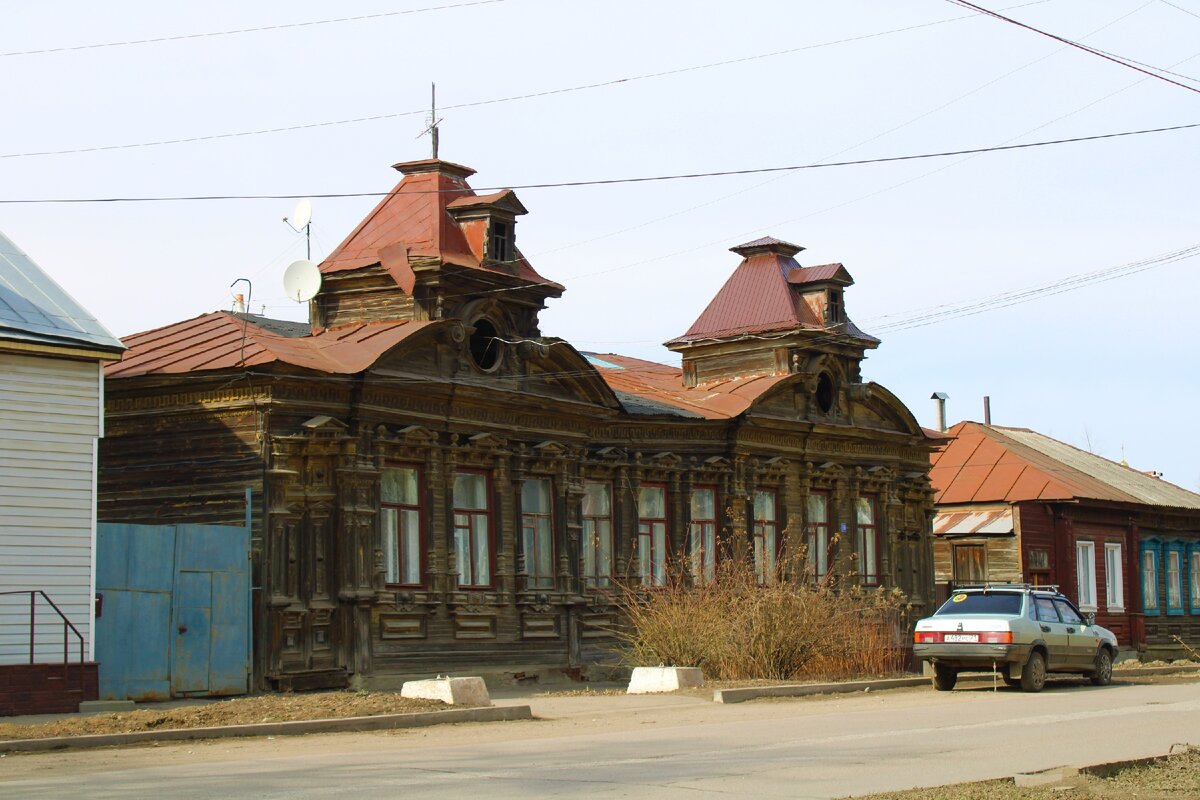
x=414, y=214
x=989, y=464
x=835, y=273
x=220, y=340
x=660, y=384
x=755, y=299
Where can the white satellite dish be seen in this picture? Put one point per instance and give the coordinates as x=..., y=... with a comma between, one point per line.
x=301, y=280
x=302, y=215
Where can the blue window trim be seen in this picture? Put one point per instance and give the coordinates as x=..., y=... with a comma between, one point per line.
x=1193, y=547
x=1181, y=549
x=1150, y=547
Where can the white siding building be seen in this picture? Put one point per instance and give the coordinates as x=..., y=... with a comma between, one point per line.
x=51, y=417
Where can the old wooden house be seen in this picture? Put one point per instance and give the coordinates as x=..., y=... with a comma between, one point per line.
x=439, y=486
x=51, y=417
x=1014, y=505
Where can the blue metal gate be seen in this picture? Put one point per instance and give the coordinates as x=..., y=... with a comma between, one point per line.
x=175, y=618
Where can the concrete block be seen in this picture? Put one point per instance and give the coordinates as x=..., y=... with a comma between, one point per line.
x=451, y=691
x=648, y=680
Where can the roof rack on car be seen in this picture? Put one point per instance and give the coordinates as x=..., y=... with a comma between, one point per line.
x=1044, y=587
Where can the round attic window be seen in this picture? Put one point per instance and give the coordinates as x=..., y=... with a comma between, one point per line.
x=484, y=345
x=824, y=394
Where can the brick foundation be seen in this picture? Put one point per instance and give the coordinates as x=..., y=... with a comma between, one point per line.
x=46, y=688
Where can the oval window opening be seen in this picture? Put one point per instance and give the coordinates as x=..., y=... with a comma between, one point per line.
x=825, y=393
x=485, y=347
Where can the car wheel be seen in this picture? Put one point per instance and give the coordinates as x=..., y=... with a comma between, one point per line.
x=1033, y=674
x=944, y=678
x=1102, y=674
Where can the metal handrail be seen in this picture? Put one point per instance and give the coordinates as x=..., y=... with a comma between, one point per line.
x=67, y=624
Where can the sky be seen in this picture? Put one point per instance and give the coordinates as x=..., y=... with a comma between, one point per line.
x=1059, y=280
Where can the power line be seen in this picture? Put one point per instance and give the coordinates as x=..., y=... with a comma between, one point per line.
x=629, y=180
x=260, y=29
x=493, y=101
x=1107, y=56
x=848, y=149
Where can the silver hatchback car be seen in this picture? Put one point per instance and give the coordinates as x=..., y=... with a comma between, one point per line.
x=1021, y=631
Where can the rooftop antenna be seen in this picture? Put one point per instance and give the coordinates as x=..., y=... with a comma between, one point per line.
x=432, y=127
x=302, y=221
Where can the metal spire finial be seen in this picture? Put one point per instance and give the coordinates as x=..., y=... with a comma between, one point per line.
x=432, y=127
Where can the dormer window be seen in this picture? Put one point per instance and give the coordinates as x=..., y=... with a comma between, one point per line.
x=500, y=240
x=833, y=308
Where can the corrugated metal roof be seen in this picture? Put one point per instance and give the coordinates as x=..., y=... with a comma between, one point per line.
x=986, y=464
x=984, y=522
x=221, y=340
x=36, y=309
x=646, y=387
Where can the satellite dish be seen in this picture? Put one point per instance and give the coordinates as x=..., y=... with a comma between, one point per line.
x=302, y=215
x=301, y=280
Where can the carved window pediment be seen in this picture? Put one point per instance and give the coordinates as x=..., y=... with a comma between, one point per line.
x=324, y=425
x=667, y=460
x=417, y=434
x=612, y=453
x=549, y=449
x=486, y=441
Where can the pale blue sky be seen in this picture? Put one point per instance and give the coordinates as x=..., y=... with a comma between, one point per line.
x=1107, y=366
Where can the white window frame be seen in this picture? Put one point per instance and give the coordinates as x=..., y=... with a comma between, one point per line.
x=1085, y=554
x=1114, y=576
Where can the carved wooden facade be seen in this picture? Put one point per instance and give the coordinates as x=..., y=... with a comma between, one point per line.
x=450, y=411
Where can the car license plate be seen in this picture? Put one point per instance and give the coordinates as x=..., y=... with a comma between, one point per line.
x=961, y=637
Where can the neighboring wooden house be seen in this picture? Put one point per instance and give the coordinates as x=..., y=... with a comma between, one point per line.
x=438, y=486
x=51, y=416
x=1014, y=505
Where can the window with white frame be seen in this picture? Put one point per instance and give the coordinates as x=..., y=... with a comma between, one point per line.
x=1194, y=578
x=1174, y=581
x=704, y=533
x=1149, y=580
x=1085, y=571
x=1114, y=577
x=765, y=546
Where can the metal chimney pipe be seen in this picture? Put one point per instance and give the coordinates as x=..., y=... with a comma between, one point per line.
x=940, y=398
x=987, y=410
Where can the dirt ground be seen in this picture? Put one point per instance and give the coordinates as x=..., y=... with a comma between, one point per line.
x=1177, y=777
x=234, y=711
x=334, y=704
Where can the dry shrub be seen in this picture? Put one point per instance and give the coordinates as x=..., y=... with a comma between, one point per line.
x=734, y=628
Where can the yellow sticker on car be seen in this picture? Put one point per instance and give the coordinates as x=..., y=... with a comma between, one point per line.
x=958, y=598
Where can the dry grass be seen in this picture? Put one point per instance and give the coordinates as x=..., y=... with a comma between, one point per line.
x=733, y=628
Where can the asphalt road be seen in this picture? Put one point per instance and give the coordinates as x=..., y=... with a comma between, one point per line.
x=661, y=746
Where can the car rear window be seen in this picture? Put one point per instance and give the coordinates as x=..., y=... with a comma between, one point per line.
x=1002, y=603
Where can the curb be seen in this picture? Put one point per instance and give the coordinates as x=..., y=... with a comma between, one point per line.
x=804, y=689
x=295, y=728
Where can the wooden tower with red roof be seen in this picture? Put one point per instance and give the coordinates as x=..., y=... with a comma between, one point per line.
x=775, y=317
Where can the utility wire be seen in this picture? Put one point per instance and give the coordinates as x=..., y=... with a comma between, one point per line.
x=259, y=29
x=1115, y=59
x=493, y=101
x=628, y=180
